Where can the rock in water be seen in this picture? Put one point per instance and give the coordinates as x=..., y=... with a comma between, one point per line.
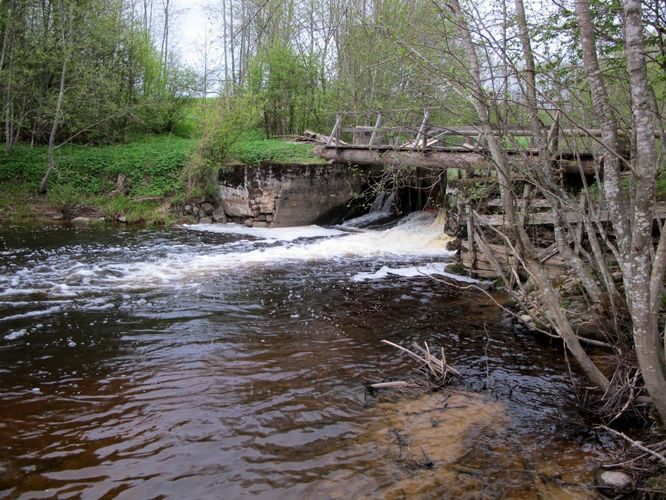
x=615, y=479
x=219, y=216
x=80, y=220
x=207, y=209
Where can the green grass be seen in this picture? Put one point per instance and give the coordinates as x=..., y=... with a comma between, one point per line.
x=86, y=175
x=151, y=165
x=252, y=149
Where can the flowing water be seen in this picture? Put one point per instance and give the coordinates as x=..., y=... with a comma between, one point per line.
x=217, y=361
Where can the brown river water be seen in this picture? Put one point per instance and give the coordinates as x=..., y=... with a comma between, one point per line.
x=220, y=362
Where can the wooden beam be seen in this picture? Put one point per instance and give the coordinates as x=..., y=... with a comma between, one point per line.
x=473, y=132
x=378, y=124
x=335, y=133
x=435, y=158
x=571, y=216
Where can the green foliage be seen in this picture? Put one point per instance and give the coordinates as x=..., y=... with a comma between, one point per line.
x=152, y=167
x=286, y=88
x=220, y=129
x=252, y=151
x=661, y=188
x=85, y=176
x=147, y=211
x=116, y=82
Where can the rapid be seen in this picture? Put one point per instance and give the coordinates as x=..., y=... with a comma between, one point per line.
x=219, y=361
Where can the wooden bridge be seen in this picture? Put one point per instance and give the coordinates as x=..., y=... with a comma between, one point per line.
x=432, y=146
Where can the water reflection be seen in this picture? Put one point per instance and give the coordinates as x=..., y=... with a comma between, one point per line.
x=248, y=380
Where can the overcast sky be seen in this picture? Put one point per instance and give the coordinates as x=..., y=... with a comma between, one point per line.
x=189, y=29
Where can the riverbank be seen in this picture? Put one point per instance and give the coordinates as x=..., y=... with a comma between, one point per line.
x=137, y=182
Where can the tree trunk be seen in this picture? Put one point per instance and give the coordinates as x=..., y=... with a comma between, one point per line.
x=608, y=125
x=644, y=307
x=549, y=295
x=530, y=74
x=56, y=118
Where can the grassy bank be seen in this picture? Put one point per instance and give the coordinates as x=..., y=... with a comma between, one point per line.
x=252, y=149
x=85, y=178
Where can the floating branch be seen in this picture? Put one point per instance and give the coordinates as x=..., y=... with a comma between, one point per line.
x=436, y=369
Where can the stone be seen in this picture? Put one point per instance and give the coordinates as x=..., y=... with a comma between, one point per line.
x=122, y=219
x=121, y=187
x=80, y=220
x=453, y=245
x=269, y=218
x=206, y=220
x=58, y=217
x=294, y=195
x=235, y=201
x=261, y=224
x=266, y=200
x=219, y=216
x=248, y=222
x=616, y=479
x=526, y=318
x=207, y=209
x=187, y=209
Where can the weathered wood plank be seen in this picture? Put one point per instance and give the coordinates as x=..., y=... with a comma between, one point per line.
x=571, y=216
x=434, y=156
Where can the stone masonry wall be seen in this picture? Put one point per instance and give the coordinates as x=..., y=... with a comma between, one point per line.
x=288, y=195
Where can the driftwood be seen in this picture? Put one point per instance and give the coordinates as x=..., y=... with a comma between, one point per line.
x=397, y=384
x=639, y=445
x=435, y=369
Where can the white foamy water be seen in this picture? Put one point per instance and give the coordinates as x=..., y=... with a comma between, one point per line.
x=430, y=269
x=417, y=235
x=270, y=234
x=97, y=277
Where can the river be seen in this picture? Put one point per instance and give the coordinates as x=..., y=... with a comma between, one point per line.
x=218, y=361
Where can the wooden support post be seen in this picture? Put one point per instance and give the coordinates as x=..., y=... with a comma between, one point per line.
x=580, y=227
x=378, y=124
x=335, y=134
x=470, y=240
x=553, y=137
x=553, y=145
x=522, y=211
x=421, y=136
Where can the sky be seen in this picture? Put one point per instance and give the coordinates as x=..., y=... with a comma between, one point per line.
x=189, y=30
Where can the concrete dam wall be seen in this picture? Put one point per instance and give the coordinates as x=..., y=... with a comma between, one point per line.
x=281, y=195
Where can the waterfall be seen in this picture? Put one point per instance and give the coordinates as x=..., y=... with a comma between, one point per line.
x=381, y=208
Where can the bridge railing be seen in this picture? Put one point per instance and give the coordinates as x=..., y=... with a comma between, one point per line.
x=382, y=130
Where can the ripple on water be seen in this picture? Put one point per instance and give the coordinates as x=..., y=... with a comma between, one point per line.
x=188, y=363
